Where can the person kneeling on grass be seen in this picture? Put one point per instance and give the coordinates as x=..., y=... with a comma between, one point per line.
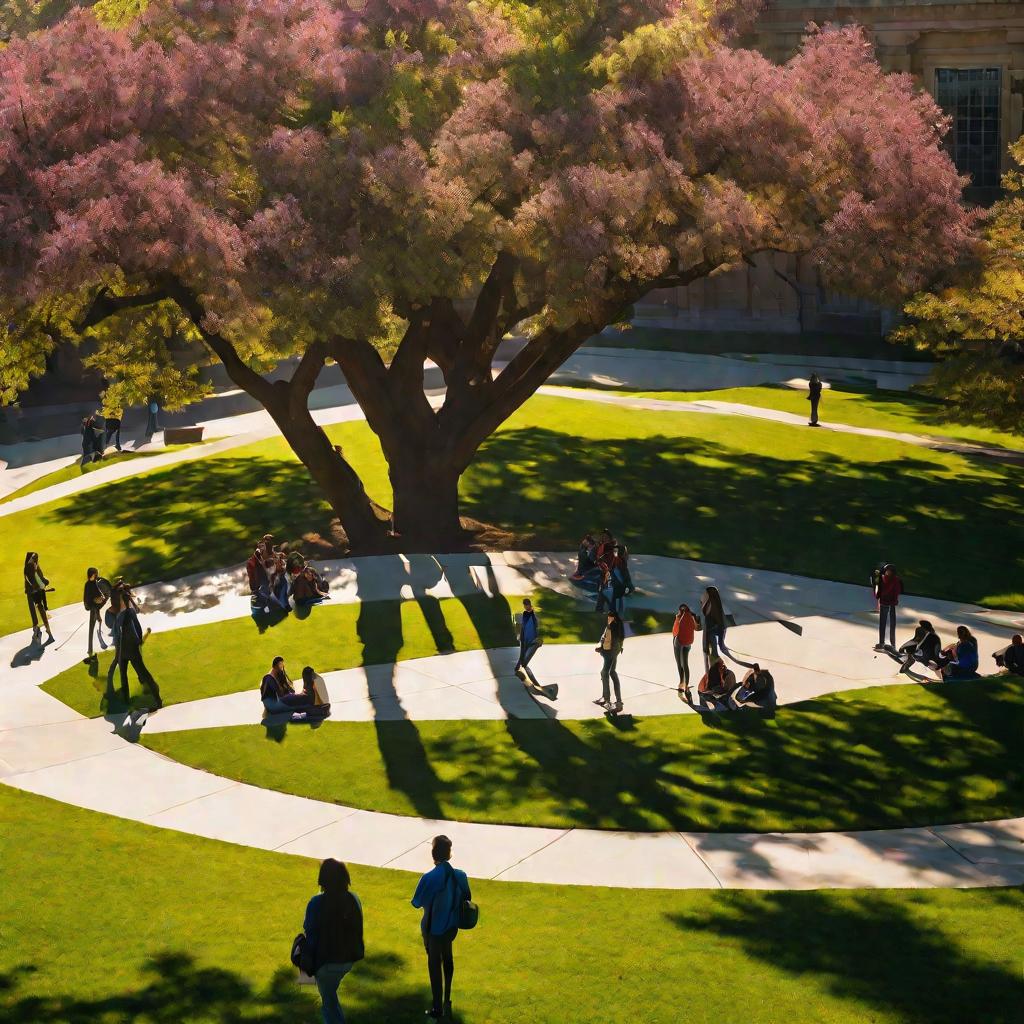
x=1012, y=658
x=960, y=660
x=924, y=647
x=278, y=694
x=716, y=686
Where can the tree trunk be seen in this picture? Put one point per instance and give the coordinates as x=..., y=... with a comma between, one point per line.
x=426, y=499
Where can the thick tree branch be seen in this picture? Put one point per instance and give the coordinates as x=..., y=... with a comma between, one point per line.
x=105, y=304
x=304, y=378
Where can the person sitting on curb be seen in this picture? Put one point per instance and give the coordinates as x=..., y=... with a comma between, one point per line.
x=309, y=587
x=1012, y=658
x=960, y=660
x=314, y=687
x=715, y=687
x=278, y=694
x=756, y=691
x=924, y=647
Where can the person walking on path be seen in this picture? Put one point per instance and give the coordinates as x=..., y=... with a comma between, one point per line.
x=113, y=429
x=333, y=927
x=153, y=422
x=94, y=597
x=440, y=894
x=888, y=587
x=129, y=650
x=610, y=648
x=528, y=626
x=683, y=629
x=36, y=588
x=814, y=397
x=714, y=624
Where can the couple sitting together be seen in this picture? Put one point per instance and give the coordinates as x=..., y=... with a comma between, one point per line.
x=957, y=661
x=276, y=576
x=280, y=697
x=719, y=691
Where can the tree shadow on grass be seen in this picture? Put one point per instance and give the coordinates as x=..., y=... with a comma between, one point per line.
x=868, y=948
x=180, y=991
x=821, y=515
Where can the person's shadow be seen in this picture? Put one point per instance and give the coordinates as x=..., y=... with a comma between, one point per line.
x=27, y=655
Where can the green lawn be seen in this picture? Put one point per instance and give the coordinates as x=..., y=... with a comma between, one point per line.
x=714, y=488
x=225, y=657
x=877, y=758
x=76, y=469
x=107, y=921
x=883, y=410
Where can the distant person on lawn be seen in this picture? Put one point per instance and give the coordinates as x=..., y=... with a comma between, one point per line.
x=36, y=586
x=683, y=629
x=960, y=660
x=440, y=893
x=528, y=626
x=610, y=647
x=129, y=649
x=334, y=934
x=94, y=597
x=278, y=694
x=1012, y=658
x=888, y=587
x=814, y=397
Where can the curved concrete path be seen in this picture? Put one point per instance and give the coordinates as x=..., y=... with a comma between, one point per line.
x=48, y=749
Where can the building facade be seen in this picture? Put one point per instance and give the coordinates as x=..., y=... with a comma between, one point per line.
x=970, y=56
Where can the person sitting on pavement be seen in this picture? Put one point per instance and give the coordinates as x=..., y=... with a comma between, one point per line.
x=585, y=561
x=716, y=686
x=757, y=690
x=314, y=687
x=960, y=660
x=278, y=694
x=924, y=647
x=1012, y=658
x=309, y=587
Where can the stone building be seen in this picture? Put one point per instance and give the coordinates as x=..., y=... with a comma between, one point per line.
x=970, y=56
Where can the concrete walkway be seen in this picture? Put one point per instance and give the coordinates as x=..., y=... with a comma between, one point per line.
x=48, y=749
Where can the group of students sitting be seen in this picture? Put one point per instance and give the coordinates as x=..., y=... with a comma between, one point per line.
x=718, y=690
x=602, y=566
x=959, y=660
x=279, y=696
x=279, y=579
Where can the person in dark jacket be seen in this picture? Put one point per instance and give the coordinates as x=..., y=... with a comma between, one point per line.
x=89, y=452
x=529, y=641
x=888, y=588
x=924, y=646
x=440, y=894
x=113, y=429
x=610, y=647
x=814, y=397
x=94, y=597
x=129, y=649
x=714, y=624
x=1012, y=658
x=334, y=934
x=36, y=586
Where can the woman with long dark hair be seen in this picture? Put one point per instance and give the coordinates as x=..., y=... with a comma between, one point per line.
x=610, y=648
x=35, y=593
x=714, y=623
x=334, y=933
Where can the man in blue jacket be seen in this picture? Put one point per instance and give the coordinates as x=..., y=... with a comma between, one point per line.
x=440, y=894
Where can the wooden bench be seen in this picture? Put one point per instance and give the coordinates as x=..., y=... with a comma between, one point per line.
x=182, y=435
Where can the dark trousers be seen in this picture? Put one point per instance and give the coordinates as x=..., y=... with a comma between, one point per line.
x=714, y=638
x=132, y=655
x=814, y=409
x=526, y=652
x=94, y=625
x=682, y=655
x=887, y=613
x=440, y=965
x=115, y=433
x=37, y=609
x=608, y=673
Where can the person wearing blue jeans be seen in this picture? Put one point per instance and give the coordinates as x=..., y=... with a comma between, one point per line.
x=333, y=927
x=529, y=641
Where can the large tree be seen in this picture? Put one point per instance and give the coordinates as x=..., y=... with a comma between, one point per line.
x=382, y=182
x=973, y=319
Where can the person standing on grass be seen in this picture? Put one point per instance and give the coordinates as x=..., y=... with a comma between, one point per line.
x=333, y=926
x=440, y=894
x=129, y=649
x=36, y=586
x=529, y=641
x=610, y=648
x=887, y=593
x=814, y=397
x=94, y=597
x=683, y=629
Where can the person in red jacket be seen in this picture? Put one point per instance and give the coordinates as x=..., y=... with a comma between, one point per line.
x=887, y=593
